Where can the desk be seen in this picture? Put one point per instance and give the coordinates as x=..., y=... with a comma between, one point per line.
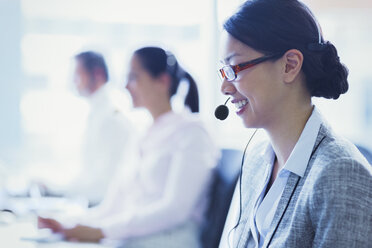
x=11, y=236
x=14, y=230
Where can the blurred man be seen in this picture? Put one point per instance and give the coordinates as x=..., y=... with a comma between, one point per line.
x=108, y=132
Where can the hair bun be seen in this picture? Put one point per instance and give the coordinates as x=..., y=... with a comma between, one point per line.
x=335, y=80
x=327, y=76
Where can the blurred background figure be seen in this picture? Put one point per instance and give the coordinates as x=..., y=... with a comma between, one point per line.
x=36, y=137
x=164, y=203
x=108, y=134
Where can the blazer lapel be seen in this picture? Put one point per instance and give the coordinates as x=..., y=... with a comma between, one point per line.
x=284, y=201
x=242, y=241
x=245, y=232
x=252, y=183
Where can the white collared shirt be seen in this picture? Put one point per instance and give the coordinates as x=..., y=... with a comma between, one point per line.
x=266, y=205
x=106, y=146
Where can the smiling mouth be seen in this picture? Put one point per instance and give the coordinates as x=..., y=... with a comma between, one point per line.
x=240, y=104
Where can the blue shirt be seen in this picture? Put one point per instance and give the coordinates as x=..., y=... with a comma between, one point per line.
x=266, y=205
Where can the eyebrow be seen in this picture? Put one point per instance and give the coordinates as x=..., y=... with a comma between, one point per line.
x=228, y=58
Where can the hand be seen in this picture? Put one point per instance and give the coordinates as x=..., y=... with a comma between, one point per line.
x=52, y=224
x=83, y=234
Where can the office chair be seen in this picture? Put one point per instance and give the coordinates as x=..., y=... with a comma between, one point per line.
x=222, y=189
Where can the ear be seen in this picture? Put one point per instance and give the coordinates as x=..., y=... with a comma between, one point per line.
x=165, y=80
x=293, y=60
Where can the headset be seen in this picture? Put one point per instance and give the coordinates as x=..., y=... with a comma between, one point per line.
x=221, y=113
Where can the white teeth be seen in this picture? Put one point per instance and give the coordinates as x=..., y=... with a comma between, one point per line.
x=241, y=104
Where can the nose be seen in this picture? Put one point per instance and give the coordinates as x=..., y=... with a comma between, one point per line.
x=128, y=85
x=227, y=88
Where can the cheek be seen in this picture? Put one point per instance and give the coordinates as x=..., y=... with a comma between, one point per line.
x=259, y=90
x=138, y=91
x=82, y=82
x=77, y=80
x=246, y=85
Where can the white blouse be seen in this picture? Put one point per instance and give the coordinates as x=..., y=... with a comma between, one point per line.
x=169, y=183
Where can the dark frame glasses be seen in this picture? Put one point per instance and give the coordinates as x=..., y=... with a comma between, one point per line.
x=229, y=72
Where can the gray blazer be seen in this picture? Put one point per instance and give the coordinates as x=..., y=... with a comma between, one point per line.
x=330, y=206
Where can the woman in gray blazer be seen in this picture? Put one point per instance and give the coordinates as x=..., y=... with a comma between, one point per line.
x=305, y=187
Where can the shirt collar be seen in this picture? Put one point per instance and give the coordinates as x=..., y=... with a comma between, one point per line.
x=268, y=154
x=300, y=155
x=100, y=97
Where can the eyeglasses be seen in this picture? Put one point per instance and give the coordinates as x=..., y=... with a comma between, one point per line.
x=229, y=72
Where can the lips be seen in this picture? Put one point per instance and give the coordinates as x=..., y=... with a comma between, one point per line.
x=240, y=105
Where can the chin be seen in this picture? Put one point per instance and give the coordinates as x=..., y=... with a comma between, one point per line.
x=247, y=125
x=136, y=104
x=249, y=122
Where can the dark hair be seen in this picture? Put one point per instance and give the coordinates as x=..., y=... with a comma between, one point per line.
x=276, y=26
x=93, y=61
x=156, y=61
